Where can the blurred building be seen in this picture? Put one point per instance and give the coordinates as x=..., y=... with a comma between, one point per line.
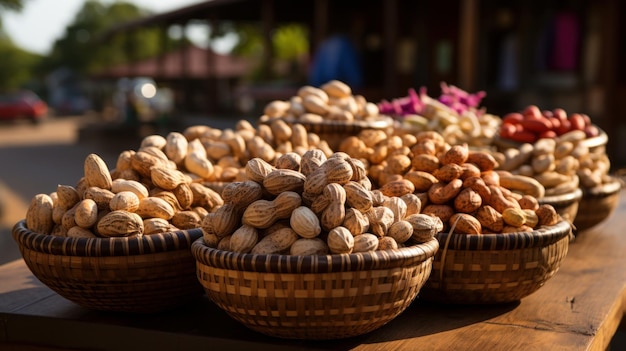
x=550, y=53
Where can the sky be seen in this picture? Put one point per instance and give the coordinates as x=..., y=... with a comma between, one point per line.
x=41, y=22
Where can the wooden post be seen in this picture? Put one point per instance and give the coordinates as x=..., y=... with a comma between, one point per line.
x=390, y=35
x=211, y=69
x=610, y=43
x=184, y=70
x=468, y=44
x=320, y=29
x=267, y=19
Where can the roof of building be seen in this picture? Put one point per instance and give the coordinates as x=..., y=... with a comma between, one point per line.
x=225, y=10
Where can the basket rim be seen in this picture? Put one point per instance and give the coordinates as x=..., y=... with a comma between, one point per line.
x=275, y=263
x=606, y=189
x=566, y=198
x=507, y=241
x=102, y=247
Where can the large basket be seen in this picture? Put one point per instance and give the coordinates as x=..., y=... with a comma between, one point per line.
x=495, y=268
x=146, y=274
x=597, y=204
x=566, y=205
x=314, y=297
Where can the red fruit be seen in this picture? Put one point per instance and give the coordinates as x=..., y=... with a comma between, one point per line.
x=556, y=123
x=577, y=121
x=512, y=118
x=537, y=125
x=549, y=134
x=565, y=127
x=587, y=119
x=523, y=137
x=532, y=111
x=547, y=113
x=591, y=131
x=507, y=130
x=559, y=113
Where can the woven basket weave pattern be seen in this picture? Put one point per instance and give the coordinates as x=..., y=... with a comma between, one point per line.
x=144, y=275
x=314, y=297
x=496, y=268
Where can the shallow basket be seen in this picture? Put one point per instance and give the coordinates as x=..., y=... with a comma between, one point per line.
x=314, y=297
x=597, y=204
x=567, y=205
x=495, y=268
x=145, y=274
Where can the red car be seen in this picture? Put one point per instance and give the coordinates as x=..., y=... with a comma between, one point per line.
x=22, y=105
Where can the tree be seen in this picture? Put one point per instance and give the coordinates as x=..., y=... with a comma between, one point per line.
x=81, y=49
x=15, y=5
x=16, y=64
x=289, y=43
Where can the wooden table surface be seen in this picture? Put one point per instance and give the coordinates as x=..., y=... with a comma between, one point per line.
x=580, y=308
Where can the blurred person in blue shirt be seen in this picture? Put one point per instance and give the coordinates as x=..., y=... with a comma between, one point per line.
x=336, y=58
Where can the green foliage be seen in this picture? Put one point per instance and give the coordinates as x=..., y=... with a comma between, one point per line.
x=289, y=42
x=15, y=5
x=16, y=65
x=82, y=49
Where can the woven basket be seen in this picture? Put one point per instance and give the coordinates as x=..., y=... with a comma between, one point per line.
x=314, y=297
x=565, y=204
x=597, y=204
x=495, y=268
x=148, y=274
x=334, y=132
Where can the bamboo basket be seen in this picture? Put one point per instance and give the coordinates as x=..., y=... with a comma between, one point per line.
x=146, y=274
x=566, y=205
x=495, y=268
x=314, y=297
x=597, y=204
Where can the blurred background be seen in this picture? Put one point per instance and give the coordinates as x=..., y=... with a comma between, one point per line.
x=94, y=76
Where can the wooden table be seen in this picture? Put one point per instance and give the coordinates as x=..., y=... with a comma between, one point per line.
x=580, y=308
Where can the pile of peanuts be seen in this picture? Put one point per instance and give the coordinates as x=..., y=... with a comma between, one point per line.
x=468, y=128
x=229, y=150
x=332, y=101
x=561, y=164
x=147, y=193
x=314, y=205
x=458, y=185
